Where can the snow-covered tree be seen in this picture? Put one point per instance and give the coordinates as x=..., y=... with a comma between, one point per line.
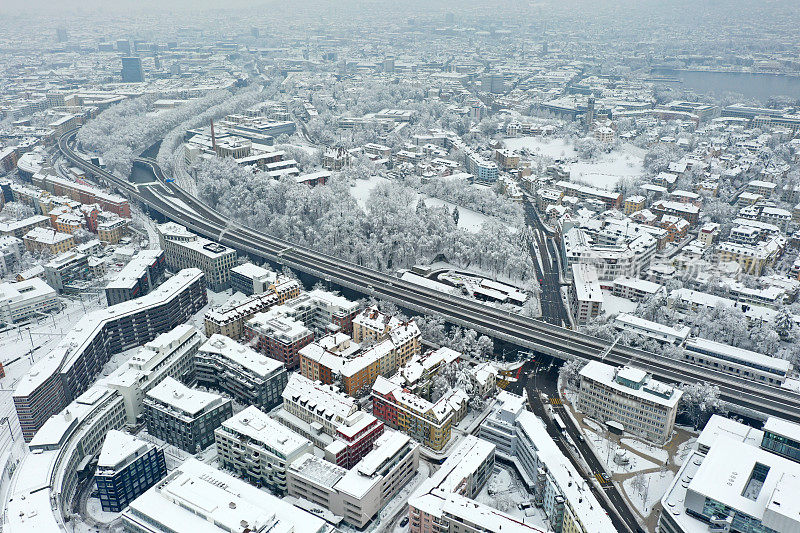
x=699, y=401
x=569, y=373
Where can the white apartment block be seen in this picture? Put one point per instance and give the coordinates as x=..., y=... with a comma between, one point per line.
x=630, y=397
x=358, y=494
x=170, y=354
x=199, y=498
x=184, y=249
x=25, y=299
x=587, y=296
x=249, y=377
x=259, y=449
x=522, y=440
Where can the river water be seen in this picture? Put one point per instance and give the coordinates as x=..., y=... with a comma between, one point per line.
x=750, y=85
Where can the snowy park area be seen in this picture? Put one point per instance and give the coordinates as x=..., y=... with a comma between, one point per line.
x=607, y=170
x=645, y=490
x=552, y=147
x=642, y=471
x=469, y=219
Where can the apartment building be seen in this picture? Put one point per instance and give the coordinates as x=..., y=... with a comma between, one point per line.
x=357, y=494
x=137, y=278
x=250, y=279
x=229, y=319
x=587, y=296
x=65, y=271
x=249, y=377
x=428, y=422
x=198, y=497
x=184, y=249
x=40, y=238
x=752, y=258
x=630, y=397
x=417, y=374
x=184, y=417
x=635, y=289
x=612, y=200
x=84, y=194
x=19, y=228
x=336, y=356
x=633, y=204
x=112, y=231
x=330, y=419
x=170, y=354
x=259, y=449
x=278, y=336
x=323, y=311
x=69, y=368
x=708, y=234
x=686, y=211
x=483, y=169
x=463, y=474
x=127, y=467
x=11, y=250
x=25, y=299
x=521, y=439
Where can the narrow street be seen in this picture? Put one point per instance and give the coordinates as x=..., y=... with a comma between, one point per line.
x=553, y=310
x=541, y=377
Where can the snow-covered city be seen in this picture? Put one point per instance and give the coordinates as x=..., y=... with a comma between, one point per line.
x=399, y=267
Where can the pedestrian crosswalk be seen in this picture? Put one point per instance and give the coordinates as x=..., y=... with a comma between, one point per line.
x=555, y=401
x=599, y=478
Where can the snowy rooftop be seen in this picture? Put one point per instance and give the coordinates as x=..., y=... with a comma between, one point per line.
x=782, y=427
x=319, y=397
x=720, y=425
x=635, y=321
x=261, y=428
x=587, y=286
x=485, y=518
x=740, y=464
x=175, y=394
x=254, y=271
x=318, y=470
x=199, y=498
x=25, y=290
x=607, y=375
x=133, y=271
x=119, y=449
x=243, y=356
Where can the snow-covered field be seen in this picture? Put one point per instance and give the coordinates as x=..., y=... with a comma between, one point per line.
x=468, y=219
x=647, y=491
x=608, y=169
x=544, y=146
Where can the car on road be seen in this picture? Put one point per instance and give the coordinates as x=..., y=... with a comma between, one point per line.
x=605, y=477
x=404, y=521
